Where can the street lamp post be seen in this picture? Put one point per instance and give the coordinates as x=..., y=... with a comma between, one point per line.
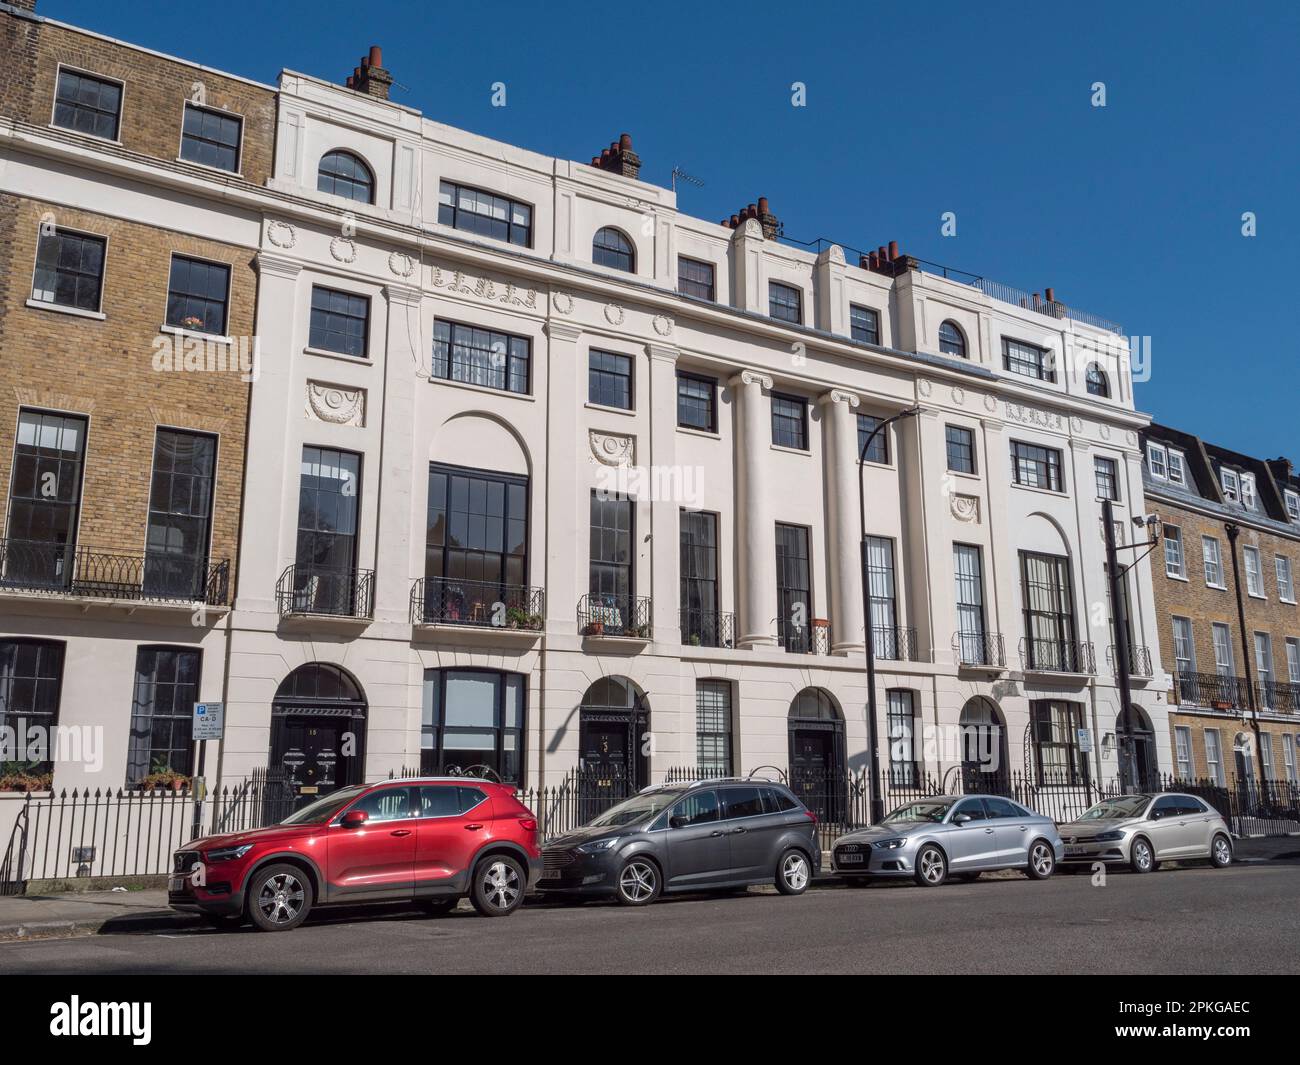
x=873, y=739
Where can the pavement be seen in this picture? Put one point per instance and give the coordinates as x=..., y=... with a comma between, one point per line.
x=1179, y=920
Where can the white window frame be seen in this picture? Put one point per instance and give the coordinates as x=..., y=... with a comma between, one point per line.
x=1292, y=660
x=1175, y=560
x=1289, y=743
x=1254, y=574
x=1292, y=504
x=1285, y=583
x=1183, y=752
x=1177, y=467
x=1154, y=452
x=1266, y=754
x=1262, y=644
x=1248, y=494
x=1215, y=563
x=1221, y=638
x=1231, y=485
x=1184, y=644
x=1214, y=765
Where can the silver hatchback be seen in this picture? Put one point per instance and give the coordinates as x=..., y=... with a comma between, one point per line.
x=951, y=835
x=1141, y=831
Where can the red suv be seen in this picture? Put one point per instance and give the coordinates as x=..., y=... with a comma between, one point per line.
x=434, y=840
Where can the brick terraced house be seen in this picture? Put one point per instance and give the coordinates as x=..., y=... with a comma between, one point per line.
x=127, y=295
x=1225, y=591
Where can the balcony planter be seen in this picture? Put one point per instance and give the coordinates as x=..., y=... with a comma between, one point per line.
x=1221, y=704
x=164, y=780
x=24, y=781
x=594, y=628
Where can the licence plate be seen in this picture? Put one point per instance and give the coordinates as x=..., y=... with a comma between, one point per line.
x=1071, y=852
x=176, y=883
x=850, y=859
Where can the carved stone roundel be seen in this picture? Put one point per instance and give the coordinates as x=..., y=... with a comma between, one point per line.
x=281, y=234
x=337, y=406
x=663, y=325
x=613, y=314
x=344, y=250
x=401, y=264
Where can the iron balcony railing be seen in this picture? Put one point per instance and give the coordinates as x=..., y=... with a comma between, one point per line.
x=1139, y=661
x=708, y=628
x=1278, y=697
x=609, y=614
x=814, y=639
x=482, y=604
x=895, y=644
x=980, y=648
x=1058, y=656
x=327, y=593
x=154, y=577
x=1216, y=691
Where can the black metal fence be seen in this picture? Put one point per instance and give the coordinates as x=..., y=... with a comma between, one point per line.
x=484, y=604
x=1058, y=656
x=895, y=644
x=607, y=614
x=333, y=593
x=801, y=639
x=708, y=628
x=980, y=648
x=1139, y=660
x=155, y=577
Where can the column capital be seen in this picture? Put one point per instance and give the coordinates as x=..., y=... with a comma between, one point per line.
x=992, y=425
x=752, y=377
x=662, y=353
x=839, y=395
x=562, y=330
x=408, y=295
x=272, y=265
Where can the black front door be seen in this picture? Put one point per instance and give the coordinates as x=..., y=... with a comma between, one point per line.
x=309, y=748
x=610, y=766
x=814, y=770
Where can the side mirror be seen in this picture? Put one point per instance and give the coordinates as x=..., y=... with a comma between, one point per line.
x=354, y=819
x=961, y=819
x=678, y=822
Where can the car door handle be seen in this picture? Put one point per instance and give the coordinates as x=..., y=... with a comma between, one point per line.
x=1024, y=828
x=715, y=834
x=472, y=828
x=738, y=831
x=988, y=831
x=400, y=832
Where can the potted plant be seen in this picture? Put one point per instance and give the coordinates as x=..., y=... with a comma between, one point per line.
x=516, y=618
x=192, y=322
x=695, y=639
x=535, y=621
x=163, y=777
x=643, y=631
x=15, y=776
x=594, y=628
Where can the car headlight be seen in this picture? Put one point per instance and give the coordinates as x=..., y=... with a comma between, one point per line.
x=889, y=844
x=228, y=854
x=1108, y=837
x=598, y=845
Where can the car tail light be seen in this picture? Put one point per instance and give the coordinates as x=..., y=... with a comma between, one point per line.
x=811, y=816
x=528, y=824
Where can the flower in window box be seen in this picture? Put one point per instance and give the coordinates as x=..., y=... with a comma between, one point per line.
x=191, y=322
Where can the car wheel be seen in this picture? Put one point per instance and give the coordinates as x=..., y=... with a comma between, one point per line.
x=439, y=907
x=498, y=886
x=931, y=866
x=1042, y=860
x=638, y=882
x=1221, y=851
x=279, y=898
x=1141, y=858
x=793, y=873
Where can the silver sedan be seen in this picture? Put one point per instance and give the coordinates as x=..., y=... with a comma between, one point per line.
x=1141, y=831
x=951, y=835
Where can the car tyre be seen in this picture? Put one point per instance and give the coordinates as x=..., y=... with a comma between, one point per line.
x=439, y=907
x=279, y=898
x=1142, y=859
x=638, y=882
x=931, y=866
x=1042, y=860
x=498, y=886
x=1220, y=851
x=793, y=872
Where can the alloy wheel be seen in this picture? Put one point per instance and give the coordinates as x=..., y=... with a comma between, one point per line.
x=932, y=866
x=1042, y=859
x=281, y=898
x=1222, y=851
x=500, y=885
x=637, y=881
x=795, y=871
x=1142, y=854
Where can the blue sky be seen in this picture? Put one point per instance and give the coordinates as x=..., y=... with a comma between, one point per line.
x=1132, y=211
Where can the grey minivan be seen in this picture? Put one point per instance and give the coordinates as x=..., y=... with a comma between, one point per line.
x=700, y=836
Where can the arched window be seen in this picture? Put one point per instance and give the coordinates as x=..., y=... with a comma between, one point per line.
x=344, y=174
x=612, y=248
x=319, y=681
x=952, y=341
x=814, y=704
x=1095, y=378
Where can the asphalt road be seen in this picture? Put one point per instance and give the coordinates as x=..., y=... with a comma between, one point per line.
x=1245, y=919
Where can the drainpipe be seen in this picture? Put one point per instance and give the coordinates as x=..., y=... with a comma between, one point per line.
x=1128, y=754
x=1233, y=532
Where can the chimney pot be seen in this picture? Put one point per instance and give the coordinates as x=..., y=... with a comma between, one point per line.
x=376, y=56
x=625, y=141
x=762, y=205
x=349, y=82
x=1051, y=295
x=893, y=250
x=735, y=221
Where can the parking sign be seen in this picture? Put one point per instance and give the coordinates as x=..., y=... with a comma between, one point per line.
x=209, y=720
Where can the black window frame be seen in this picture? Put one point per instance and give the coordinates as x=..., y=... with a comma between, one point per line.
x=705, y=397
x=698, y=564
x=194, y=298
x=607, y=382
x=1047, y=607
x=1096, y=381
x=1051, y=461
x=1043, y=729
x=963, y=459
x=327, y=530
x=606, y=541
x=695, y=287
x=79, y=108
x=456, y=542
x=879, y=451
x=955, y=343
x=718, y=738
x=433, y=759
x=189, y=138
x=516, y=355
x=781, y=309
x=362, y=179
x=793, y=584
x=783, y=419
x=30, y=510
x=1037, y=366
x=865, y=333
x=620, y=255
x=55, y=267
x=900, y=722
x=43, y=678
x=462, y=218
x=143, y=728
x=1111, y=475
x=180, y=499
x=320, y=330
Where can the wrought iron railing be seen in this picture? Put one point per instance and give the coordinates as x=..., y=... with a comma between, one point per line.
x=154, y=577
x=481, y=604
x=1216, y=691
x=303, y=590
x=608, y=614
x=1278, y=697
x=980, y=648
x=895, y=644
x=799, y=639
x=1139, y=660
x=708, y=628
x=1058, y=656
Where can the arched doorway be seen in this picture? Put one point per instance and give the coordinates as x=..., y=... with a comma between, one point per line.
x=817, y=774
x=318, y=730
x=1138, y=750
x=613, y=728
x=985, y=769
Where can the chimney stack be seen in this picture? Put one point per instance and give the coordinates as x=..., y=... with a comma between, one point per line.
x=761, y=213
x=619, y=158
x=370, y=77
x=1051, y=295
